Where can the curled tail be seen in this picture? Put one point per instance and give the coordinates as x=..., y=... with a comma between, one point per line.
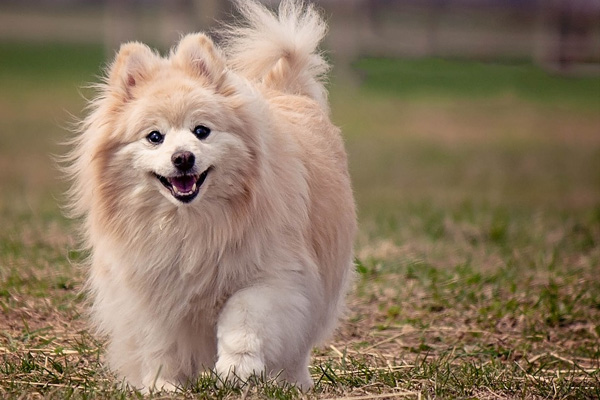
x=279, y=49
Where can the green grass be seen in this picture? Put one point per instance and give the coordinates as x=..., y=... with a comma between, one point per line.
x=63, y=62
x=477, y=257
x=450, y=78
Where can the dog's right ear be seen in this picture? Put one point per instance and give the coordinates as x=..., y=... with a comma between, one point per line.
x=197, y=54
x=133, y=64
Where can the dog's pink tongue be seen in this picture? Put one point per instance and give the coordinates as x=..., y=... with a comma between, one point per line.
x=183, y=184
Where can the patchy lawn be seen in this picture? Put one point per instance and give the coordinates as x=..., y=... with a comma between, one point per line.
x=477, y=258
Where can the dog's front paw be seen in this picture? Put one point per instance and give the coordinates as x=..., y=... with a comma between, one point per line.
x=153, y=385
x=236, y=369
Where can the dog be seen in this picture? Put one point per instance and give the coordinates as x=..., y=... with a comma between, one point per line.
x=215, y=203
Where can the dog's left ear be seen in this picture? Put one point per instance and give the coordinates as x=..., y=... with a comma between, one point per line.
x=197, y=54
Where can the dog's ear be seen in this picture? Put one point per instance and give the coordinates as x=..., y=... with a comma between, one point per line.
x=197, y=54
x=132, y=65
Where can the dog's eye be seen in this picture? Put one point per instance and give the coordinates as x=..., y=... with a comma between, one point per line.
x=201, y=132
x=155, y=137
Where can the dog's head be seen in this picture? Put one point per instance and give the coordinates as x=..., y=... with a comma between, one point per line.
x=181, y=127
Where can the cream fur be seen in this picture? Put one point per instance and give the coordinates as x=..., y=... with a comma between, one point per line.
x=248, y=276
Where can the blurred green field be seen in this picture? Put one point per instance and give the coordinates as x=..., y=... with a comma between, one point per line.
x=478, y=187
x=450, y=78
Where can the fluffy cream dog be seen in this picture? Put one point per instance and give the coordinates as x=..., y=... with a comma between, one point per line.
x=216, y=204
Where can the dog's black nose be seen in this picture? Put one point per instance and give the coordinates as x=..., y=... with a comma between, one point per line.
x=183, y=160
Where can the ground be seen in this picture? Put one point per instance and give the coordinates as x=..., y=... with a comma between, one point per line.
x=478, y=188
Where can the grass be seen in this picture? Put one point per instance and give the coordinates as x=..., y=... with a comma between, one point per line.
x=477, y=257
x=449, y=78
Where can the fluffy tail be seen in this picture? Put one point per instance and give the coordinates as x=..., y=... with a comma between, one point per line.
x=279, y=49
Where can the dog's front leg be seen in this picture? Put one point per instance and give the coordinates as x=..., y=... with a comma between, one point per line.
x=158, y=373
x=266, y=328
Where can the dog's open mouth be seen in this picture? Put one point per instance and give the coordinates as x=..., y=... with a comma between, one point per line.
x=184, y=187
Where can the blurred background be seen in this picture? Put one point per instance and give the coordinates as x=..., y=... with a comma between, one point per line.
x=447, y=106
x=557, y=34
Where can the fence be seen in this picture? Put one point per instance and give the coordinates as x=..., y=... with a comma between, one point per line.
x=563, y=35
